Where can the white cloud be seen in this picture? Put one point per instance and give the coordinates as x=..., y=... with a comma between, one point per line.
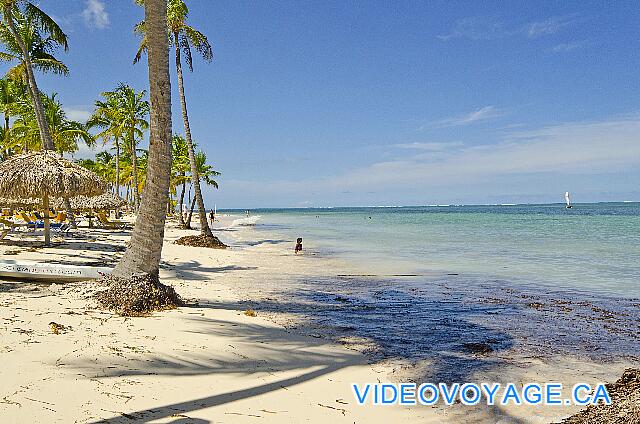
x=77, y=114
x=475, y=28
x=429, y=147
x=489, y=28
x=95, y=14
x=549, y=26
x=566, y=47
x=482, y=114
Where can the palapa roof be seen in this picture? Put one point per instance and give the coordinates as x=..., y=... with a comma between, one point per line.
x=46, y=172
x=103, y=202
x=20, y=203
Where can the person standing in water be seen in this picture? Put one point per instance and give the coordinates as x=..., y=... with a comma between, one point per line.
x=299, y=245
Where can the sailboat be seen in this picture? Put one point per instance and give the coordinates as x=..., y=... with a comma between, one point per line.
x=568, y=200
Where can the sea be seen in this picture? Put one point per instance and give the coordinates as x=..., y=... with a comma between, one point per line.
x=453, y=281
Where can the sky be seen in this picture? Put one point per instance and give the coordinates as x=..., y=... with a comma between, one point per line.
x=365, y=103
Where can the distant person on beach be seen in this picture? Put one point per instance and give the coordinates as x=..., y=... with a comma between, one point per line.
x=212, y=216
x=299, y=245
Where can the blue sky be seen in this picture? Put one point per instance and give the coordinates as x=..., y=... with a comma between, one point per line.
x=333, y=103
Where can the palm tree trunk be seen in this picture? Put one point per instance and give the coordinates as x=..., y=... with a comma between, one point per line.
x=195, y=178
x=47, y=225
x=45, y=135
x=145, y=248
x=184, y=184
x=134, y=165
x=117, y=167
x=193, y=205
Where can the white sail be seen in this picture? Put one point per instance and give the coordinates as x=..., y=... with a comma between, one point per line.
x=566, y=198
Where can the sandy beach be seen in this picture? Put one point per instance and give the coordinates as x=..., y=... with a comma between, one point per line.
x=209, y=362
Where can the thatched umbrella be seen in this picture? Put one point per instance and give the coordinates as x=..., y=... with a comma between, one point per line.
x=28, y=203
x=46, y=174
x=106, y=201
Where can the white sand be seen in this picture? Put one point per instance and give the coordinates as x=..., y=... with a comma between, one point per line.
x=210, y=363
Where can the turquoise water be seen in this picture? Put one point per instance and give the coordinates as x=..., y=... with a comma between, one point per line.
x=589, y=247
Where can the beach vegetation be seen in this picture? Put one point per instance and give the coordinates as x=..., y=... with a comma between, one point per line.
x=30, y=37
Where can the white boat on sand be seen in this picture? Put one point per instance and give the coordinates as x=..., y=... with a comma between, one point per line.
x=28, y=271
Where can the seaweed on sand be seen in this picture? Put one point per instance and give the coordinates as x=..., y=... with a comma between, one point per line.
x=201, y=241
x=625, y=403
x=137, y=296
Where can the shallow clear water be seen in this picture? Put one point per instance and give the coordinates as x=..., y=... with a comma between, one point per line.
x=589, y=247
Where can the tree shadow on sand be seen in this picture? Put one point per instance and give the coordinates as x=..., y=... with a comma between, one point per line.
x=277, y=349
x=449, y=359
x=195, y=270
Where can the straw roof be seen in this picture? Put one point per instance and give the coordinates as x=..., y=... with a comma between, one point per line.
x=46, y=173
x=105, y=201
x=20, y=203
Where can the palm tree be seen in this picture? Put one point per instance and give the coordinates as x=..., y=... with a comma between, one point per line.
x=123, y=114
x=206, y=174
x=183, y=37
x=102, y=165
x=145, y=247
x=64, y=132
x=105, y=116
x=12, y=95
x=29, y=36
x=179, y=169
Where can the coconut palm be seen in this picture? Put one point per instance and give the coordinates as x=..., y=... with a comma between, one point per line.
x=106, y=117
x=30, y=36
x=102, y=166
x=124, y=114
x=145, y=248
x=183, y=38
x=13, y=94
x=180, y=168
x=65, y=133
x=205, y=174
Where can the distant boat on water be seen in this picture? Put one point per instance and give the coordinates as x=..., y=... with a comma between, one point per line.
x=567, y=199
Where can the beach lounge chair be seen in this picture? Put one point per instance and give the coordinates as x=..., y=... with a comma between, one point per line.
x=29, y=221
x=106, y=223
x=7, y=227
x=61, y=218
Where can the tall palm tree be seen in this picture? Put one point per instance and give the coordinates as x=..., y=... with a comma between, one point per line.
x=105, y=117
x=183, y=37
x=30, y=35
x=123, y=114
x=12, y=95
x=179, y=170
x=205, y=174
x=145, y=248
